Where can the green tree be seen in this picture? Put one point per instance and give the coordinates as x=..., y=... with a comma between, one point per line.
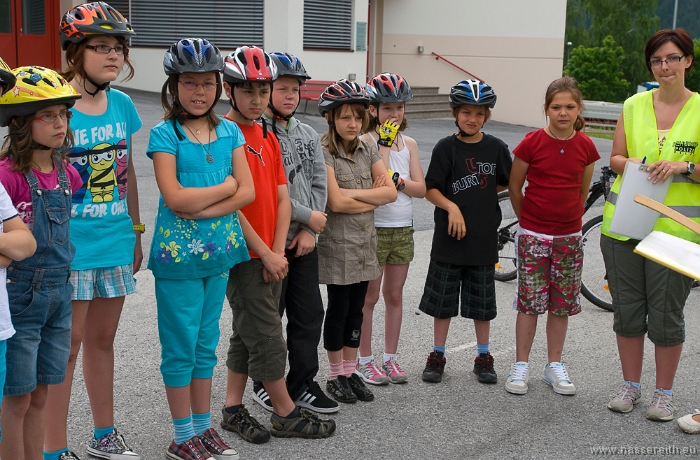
x=599, y=71
x=629, y=22
x=692, y=81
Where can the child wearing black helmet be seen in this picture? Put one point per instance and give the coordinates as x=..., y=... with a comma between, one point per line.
x=204, y=179
x=466, y=172
x=305, y=168
x=105, y=223
x=358, y=183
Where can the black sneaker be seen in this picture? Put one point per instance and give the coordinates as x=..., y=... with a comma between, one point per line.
x=260, y=396
x=315, y=399
x=359, y=388
x=483, y=368
x=245, y=425
x=340, y=390
x=304, y=425
x=434, y=368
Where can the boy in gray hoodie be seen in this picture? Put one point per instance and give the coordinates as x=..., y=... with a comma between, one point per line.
x=305, y=168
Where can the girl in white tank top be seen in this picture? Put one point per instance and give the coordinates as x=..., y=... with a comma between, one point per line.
x=394, y=223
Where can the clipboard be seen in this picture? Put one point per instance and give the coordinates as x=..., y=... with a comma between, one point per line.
x=670, y=251
x=631, y=219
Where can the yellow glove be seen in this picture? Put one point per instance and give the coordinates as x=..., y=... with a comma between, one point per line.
x=399, y=183
x=387, y=133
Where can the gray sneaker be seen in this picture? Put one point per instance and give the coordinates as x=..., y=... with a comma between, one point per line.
x=661, y=408
x=625, y=399
x=112, y=447
x=556, y=376
x=68, y=455
x=516, y=382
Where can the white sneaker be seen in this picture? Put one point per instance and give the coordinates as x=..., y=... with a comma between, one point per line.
x=516, y=382
x=556, y=376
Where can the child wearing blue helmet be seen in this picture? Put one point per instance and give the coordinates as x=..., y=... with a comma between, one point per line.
x=466, y=172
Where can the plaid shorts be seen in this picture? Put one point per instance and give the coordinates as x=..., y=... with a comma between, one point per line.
x=444, y=284
x=394, y=245
x=103, y=282
x=549, y=274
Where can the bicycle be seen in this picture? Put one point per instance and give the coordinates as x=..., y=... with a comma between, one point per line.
x=593, y=287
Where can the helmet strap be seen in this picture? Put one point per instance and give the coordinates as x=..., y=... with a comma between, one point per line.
x=98, y=88
x=264, y=123
x=462, y=133
x=35, y=146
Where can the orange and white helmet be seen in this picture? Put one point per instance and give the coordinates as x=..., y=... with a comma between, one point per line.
x=91, y=19
x=36, y=88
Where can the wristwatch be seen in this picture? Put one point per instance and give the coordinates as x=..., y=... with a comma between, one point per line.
x=691, y=169
x=141, y=228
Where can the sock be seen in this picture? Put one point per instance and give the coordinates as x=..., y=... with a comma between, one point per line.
x=389, y=357
x=294, y=413
x=183, y=429
x=349, y=367
x=336, y=370
x=666, y=392
x=482, y=348
x=102, y=432
x=55, y=454
x=233, y=409
x=635, y=385
x=439, y=350
x=201, y=423
x=365, y=360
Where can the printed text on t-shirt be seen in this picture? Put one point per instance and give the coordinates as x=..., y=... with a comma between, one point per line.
x=479, y=173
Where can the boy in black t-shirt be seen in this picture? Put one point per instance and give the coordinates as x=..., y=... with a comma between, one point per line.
x=466, y=172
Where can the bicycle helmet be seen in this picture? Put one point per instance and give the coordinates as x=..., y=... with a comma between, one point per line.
x=341, y=92
x=192, y=55
x=7, y=78
x=36, y=88
x=249, y=63
x=95, y=18
x=472, y=92
x=388, y=87
x=289, y=66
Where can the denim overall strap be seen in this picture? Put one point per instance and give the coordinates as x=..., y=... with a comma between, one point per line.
x=51, y=213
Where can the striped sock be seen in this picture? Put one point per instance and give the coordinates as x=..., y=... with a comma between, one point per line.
x=183, y=429
x=201, y=423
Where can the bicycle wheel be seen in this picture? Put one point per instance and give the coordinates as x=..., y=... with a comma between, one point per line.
x=594, y=283
x=505, y=267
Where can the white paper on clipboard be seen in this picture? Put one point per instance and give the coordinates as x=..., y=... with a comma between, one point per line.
x=632, y=219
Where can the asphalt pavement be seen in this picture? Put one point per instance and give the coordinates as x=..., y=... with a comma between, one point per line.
x=458, y=418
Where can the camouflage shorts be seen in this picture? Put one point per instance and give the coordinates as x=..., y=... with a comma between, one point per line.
x=549, y=274
x=394, y=245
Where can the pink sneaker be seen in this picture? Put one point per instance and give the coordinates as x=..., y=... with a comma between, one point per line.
x=393, y=372
x=371, y=373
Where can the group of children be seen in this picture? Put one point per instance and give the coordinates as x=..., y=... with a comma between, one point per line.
x=257, y=209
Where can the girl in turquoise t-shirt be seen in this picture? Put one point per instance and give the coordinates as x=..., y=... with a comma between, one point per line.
x=203, y=177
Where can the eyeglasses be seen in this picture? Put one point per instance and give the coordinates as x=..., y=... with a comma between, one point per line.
x=104, y=49
x=64, y=115
x=671, y=60
x=191, y=86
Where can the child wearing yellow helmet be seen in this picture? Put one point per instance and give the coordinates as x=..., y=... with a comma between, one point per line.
x=39, y=182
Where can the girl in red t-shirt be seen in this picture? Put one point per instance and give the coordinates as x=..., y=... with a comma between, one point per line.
x=557, y=162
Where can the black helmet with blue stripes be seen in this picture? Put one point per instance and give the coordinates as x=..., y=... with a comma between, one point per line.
x=473, y=92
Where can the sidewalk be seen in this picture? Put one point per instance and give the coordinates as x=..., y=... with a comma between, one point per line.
x=458, y=418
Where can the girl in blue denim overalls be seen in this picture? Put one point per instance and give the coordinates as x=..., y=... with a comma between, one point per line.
x=39, y=181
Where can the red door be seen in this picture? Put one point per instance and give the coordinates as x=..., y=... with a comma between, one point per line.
x=29, y=33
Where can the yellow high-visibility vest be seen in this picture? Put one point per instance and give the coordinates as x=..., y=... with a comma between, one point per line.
x=681, y=145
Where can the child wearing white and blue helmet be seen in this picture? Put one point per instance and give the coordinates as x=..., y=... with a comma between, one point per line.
x=466, y=172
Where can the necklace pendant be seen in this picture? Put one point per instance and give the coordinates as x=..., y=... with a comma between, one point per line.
x=209, y=158
x=198, y=132
x=561, y=152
